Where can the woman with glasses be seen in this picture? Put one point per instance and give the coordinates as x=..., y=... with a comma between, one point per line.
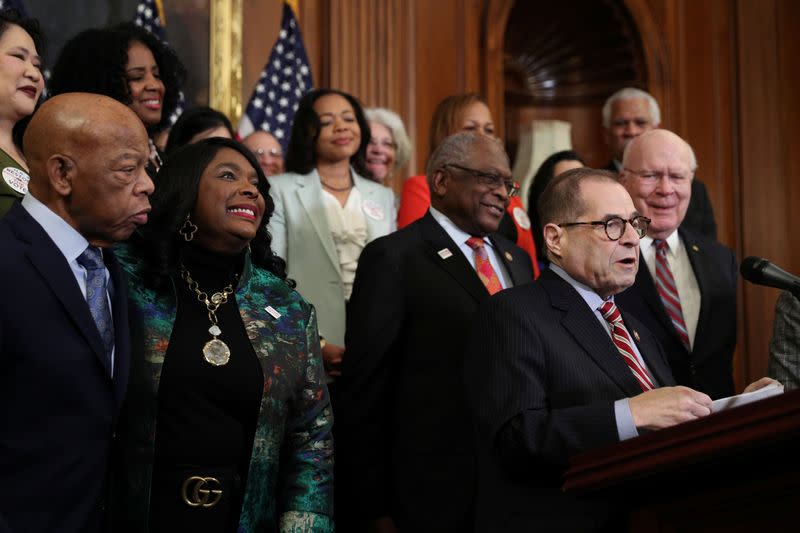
x=389, y=147
x=326, y=208
x=464, y=112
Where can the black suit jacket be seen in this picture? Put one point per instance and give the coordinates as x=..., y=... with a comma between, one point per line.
x=709, y=366
x=542, y=376
x=699, y=215
x=403, y=439
x=59, y=401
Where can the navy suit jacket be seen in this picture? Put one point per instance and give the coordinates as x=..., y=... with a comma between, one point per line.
x=59, y=401
x=402, y=432
x=542, y=375
x=709, y=366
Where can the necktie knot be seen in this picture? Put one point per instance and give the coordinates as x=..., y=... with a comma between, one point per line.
x=475, y=243
x=610, y=312
x=91, y=258
x=661, y=245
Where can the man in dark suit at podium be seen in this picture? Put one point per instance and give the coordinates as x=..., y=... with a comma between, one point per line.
x=403, y=447
x=627, y=114
x=685, y=291
x=64, y=341
x=553, y=368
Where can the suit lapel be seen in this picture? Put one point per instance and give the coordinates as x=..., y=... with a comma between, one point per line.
x=649, y=350
x=122, y=340
x=454, y=262
x=518, y=273
x=309, y=192
x=57, y=274
x=704, y=274
x=586, y=329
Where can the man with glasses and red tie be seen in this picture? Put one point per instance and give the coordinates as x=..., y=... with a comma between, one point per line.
x=404, y=447
x=555, y=367
x=685, y=292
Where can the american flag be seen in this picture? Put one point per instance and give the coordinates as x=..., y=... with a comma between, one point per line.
x=284, y=80
x=150, y=16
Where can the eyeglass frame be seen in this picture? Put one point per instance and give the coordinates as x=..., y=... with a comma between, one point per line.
x=653, y=177
x=605, y=223
x=274, y=152
x=511, y=190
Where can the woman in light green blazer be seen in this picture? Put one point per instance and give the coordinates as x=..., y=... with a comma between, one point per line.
x=326, y=210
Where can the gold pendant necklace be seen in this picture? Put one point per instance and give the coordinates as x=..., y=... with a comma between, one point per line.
x=215, y=351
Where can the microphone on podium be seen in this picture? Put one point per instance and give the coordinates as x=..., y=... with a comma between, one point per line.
x=761, y=272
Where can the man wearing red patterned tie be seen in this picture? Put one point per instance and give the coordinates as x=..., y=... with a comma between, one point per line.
x=404, y=453
x=554, y=368
x=685, y=292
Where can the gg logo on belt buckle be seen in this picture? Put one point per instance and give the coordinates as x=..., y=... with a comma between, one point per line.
x=198, y=491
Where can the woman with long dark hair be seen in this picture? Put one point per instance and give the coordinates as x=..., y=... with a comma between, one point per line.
x=551, y=167
x=21, y=85
x=326, y=208
x=126, y=63
x=227, y=421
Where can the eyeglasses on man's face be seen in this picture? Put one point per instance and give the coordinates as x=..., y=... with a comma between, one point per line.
x=651, y=177
x=615, y=226
x=492, y=180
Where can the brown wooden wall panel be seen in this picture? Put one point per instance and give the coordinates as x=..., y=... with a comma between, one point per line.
x=768, y=65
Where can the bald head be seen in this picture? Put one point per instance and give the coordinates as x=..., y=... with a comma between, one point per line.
x=267, y=150
x=658, y=168
x=87, y=155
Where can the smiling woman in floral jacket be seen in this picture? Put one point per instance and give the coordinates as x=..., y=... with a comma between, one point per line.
x=227, y=422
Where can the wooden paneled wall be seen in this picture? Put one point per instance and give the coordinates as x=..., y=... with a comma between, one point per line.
x=724, y=71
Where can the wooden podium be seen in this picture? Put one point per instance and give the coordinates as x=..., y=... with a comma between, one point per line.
x=737, y=470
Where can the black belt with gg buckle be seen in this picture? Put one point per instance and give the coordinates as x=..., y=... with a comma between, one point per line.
x=201, y=491
x=193, y=496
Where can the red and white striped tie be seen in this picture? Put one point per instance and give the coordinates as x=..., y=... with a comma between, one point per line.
x=619, y=334
x=668, y=291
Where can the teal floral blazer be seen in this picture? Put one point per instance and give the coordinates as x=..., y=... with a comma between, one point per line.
x=290, y=480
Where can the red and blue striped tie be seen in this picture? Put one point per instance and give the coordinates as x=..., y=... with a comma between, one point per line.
x=668, y=291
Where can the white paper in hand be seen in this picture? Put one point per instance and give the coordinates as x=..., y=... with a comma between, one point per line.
x=749, y=397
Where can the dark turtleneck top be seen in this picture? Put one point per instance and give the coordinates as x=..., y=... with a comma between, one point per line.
x=206, y=414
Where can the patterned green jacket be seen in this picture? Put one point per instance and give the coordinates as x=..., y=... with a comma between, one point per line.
x=290, y=480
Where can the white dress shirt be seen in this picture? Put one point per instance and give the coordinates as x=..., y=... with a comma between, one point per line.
x=460, y=237
x=685, y=280
x=68, y=241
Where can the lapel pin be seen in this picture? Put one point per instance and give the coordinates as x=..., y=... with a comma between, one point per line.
x=695, y=248
x=445, y=253
x=636, y=336
x=509, y=257
x=271, y=310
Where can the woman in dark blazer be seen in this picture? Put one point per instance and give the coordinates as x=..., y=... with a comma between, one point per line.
x=227, y=423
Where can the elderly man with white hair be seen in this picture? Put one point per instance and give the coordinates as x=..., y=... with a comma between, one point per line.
x=628, y=113
x=685, y=289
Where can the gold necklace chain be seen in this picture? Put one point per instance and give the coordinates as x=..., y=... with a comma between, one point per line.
x=215, y=351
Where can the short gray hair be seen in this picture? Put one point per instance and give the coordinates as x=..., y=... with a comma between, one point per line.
x=394, y=123
x=455, y=149
x=631, y=93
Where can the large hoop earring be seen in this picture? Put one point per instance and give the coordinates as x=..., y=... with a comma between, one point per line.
x=188, y=229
